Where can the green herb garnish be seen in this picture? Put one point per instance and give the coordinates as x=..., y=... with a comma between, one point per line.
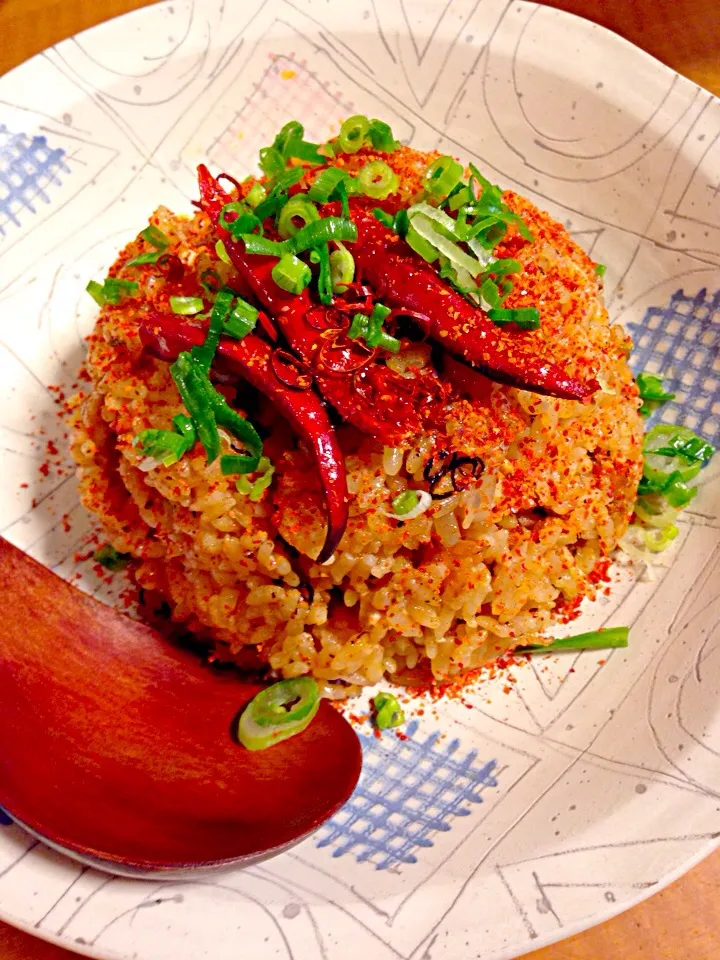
x=387, y=712
x=594, y=640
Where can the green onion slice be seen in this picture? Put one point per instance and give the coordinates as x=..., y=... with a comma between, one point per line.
x=381, y=137
x=442, y=176
x=378, y=180
x=186, y=306
x=114, y=289
x=242, y=320
x=342, y=269
x=387, y=712
x=299, y=207
x=255, y=195
x=527, y=318
x=352, y=133
x=326, y=183
x=155, y=237
x=278, y=712
x=110, y=558
x=322, y=231
x=291, y=274
x=600, y=269
x=405, y=502
x=194, y=388
x=670, y=449
x=321, y=255
x=97, y=292
x=221, y=251
x=263, y=246
x=594, y=640
x=205, y=354
x=652, y=393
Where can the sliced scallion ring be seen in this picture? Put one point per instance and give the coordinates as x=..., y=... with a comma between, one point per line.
x=352, y=133
x=442, y=176
x=297, y=208
x=342, y=269
x=291, y=274
x=673, y=441
x=280, y=711
x=378, y=180
x=186, y=306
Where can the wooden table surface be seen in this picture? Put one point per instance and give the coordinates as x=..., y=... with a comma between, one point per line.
x=682, y=922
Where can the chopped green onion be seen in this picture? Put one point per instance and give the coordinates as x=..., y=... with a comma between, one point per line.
x=168, y=446
x=657, y=540
x=405, y=502
x=326, y=183
x=97, y=292
x=527, y=318
x=459, y=197
x=342, y=269
x=155, y=237
x=669, y=449
x=342, y=195
x=370, y=329
x=186, y=306
x=110, y=558
x=490, y=293
x=594, y=640
x=191, y=383
x=322, y=231
x=400, y=223
x=205, y=354
x=652, y=393
x=290, y=143
x=352, y=133
x=300, y=208
x=291, y=274
x=255, y=195
x=221, y=251
x=381, y=137
x=420, y=245
x=278, y=712
x=242, y=320
x=321, y=255
x=115, y=289
x=600, y=269
x=378, y=180
x=271, y=162
x=255, y=489
x=143, y=258
x=501, y=267
x=387, y=712
x=442, y=176
x=263, y=246
x=244, y=221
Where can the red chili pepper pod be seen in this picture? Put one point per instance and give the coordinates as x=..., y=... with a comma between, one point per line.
x=409, y=283
x=250, y=359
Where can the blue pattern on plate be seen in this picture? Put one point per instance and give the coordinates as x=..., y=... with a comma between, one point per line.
x=680, y=342
x=5, y=820
x=27, y=166
x=409, y=789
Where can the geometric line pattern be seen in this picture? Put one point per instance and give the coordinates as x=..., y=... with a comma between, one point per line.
x=409, y=789
x=272, y=100
x=27, y=167
x=681, y=342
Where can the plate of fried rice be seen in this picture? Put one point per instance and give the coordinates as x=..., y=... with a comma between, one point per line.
x=379, y=348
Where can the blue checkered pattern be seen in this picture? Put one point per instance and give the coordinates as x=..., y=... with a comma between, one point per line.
x=27, y=167
x=680, y=342
x=409, y=789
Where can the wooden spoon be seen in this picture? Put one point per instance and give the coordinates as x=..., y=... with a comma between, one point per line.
x=117, y=746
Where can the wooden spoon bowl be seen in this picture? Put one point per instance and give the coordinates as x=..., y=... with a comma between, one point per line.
x=119, y=747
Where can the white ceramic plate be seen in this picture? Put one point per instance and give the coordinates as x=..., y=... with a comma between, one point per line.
x=589, y=785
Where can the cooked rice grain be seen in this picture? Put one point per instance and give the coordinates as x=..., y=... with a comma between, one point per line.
x=448, y=591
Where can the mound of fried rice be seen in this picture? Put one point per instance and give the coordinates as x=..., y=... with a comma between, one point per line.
x=477, y=574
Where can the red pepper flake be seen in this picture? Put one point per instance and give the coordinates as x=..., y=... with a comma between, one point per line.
x=45, y=468
x=52, y=450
